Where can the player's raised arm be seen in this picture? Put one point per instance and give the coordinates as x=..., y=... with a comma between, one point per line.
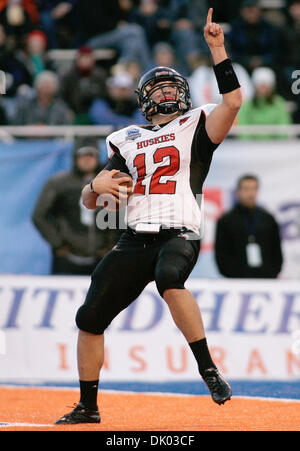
x=222, y=117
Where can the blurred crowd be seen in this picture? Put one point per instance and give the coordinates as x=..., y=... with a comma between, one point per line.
x=262, y=40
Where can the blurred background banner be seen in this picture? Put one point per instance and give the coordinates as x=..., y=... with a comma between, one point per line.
x=252, y=331
x=25, y=166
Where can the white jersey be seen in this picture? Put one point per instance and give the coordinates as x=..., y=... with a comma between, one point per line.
x=159, y=160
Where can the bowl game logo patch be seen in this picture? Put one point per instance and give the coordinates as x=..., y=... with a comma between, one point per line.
x=132, y=134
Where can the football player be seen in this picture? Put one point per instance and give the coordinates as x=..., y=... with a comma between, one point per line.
x=162, y=241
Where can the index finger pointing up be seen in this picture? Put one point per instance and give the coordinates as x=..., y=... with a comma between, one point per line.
x=209, y=16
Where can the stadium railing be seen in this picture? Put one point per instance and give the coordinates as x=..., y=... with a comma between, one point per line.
x=8, y=133
x=64, y=58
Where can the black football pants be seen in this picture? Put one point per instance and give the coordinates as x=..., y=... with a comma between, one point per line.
x=167, y=258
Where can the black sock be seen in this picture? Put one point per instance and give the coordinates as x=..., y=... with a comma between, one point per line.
x=202, y=355
x=88, y=394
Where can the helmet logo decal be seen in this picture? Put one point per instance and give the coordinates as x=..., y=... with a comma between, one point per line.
x=183, y=120
x=157, y=74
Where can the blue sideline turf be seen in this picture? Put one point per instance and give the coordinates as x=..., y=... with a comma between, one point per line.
x=270, y=389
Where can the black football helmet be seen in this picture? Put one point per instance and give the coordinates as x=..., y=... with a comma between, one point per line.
x=148, y=85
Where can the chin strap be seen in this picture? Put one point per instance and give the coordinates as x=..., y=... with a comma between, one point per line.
x=168, y=107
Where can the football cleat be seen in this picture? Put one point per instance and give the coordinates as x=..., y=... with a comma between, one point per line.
x=219, y=389
x=80, y=415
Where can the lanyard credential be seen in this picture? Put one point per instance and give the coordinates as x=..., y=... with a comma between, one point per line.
x=251, y=224
x=253, y=250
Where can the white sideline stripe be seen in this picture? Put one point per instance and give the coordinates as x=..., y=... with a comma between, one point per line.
x=32, y=425
x=127, y=392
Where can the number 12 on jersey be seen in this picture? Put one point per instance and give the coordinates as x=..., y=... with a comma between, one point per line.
x=156, y=186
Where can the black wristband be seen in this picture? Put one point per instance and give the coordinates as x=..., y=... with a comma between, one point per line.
x=226, y=77
x=92, y=189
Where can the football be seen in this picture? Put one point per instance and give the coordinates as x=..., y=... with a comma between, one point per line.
x=108, y=201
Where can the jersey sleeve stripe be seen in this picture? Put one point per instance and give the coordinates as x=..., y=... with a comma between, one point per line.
x=114, y=148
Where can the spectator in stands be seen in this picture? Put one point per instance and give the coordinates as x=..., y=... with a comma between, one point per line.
x=188, y=20
x=104, y=24
x=34, y=55
x=291, y=34
x=204, y=88
x=70, y=229
x=45, y=107
x=224, y=11
x=133, y=68
x=248, y=243
x=16, y=72
x=153, y=19
x=18, y=17
x=164, y=55
x=266, y=107
x=84, y=82
x=253, y=41
x=58, y=21
x=119, y=108
x=193, y=10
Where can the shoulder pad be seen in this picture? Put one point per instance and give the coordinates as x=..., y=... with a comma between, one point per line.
x=208, y=108
x=119, y=138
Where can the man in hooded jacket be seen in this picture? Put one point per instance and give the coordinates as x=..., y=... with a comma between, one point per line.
x=70, y=229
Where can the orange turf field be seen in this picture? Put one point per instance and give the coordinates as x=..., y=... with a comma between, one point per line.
x=146, y=412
